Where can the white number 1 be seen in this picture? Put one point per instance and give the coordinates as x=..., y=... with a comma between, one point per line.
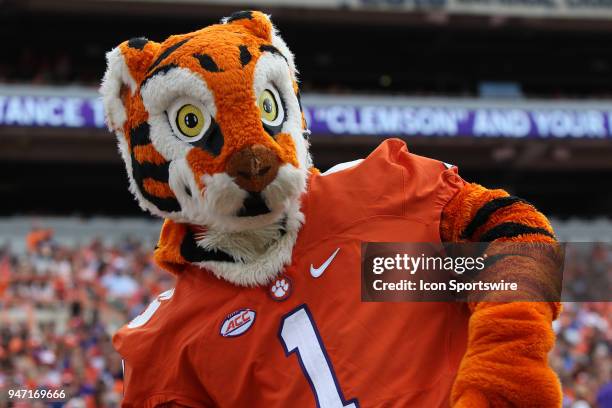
x=298, y=334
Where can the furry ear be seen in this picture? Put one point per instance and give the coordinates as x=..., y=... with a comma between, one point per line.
x=255, y=21
x=125, y=69
x=261, y=25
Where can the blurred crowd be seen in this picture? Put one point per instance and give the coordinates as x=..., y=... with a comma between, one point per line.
x=581, y=357
x=63, y=68
x=59, y=307
x=84, y=66
x=54, y=68
x=587, y=272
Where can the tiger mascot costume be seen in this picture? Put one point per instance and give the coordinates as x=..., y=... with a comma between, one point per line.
x=266, y=310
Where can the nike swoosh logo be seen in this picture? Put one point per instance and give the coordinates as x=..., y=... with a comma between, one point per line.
x=316, y=272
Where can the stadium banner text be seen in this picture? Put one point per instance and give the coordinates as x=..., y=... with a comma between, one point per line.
x=352, y=116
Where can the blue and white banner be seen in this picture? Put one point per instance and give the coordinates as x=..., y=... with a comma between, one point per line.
x=418, y=120
x=50, y=107
x=329, y=115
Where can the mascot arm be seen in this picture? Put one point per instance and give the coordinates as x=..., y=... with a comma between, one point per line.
x=506, y=360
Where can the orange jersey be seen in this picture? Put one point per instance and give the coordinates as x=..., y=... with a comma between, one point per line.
x=308, y=340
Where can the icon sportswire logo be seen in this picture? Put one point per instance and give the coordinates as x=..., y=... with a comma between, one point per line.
x=316, y=272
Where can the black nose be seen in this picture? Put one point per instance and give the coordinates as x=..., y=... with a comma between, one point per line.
x=253, y=205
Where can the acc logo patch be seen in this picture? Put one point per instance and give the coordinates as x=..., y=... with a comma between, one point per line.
x=238, y=322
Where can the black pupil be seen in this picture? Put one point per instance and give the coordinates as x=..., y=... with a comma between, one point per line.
x=267, y=105
x=191, y=120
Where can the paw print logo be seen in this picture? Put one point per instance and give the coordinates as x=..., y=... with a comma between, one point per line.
x=280, y=289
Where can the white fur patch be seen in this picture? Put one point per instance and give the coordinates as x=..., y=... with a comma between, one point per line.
x=288, y=186
x=183, y=184
x=222, y=196
x=255, y=268
x=281, y=45
x=117, y=74
x=161, y=90
x=163, y=139
x=245, y=246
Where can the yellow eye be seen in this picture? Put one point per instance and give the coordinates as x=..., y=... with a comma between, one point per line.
x=268, y=107
x=190, y=120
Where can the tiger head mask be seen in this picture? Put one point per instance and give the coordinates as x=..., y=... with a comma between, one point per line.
x=210, y=125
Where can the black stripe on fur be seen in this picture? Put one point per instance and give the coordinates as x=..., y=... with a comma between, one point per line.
x=207, y=62
x=191, y=252
x=139, y=136
x=213, y=140
x=240, y=15
x=511, y=230
x=137, y=43
x=272, y=49
x=484, y=212
x=161, y=70
x=245, y=55
x=141, y=171
x=299, y=98
x=166, y=53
